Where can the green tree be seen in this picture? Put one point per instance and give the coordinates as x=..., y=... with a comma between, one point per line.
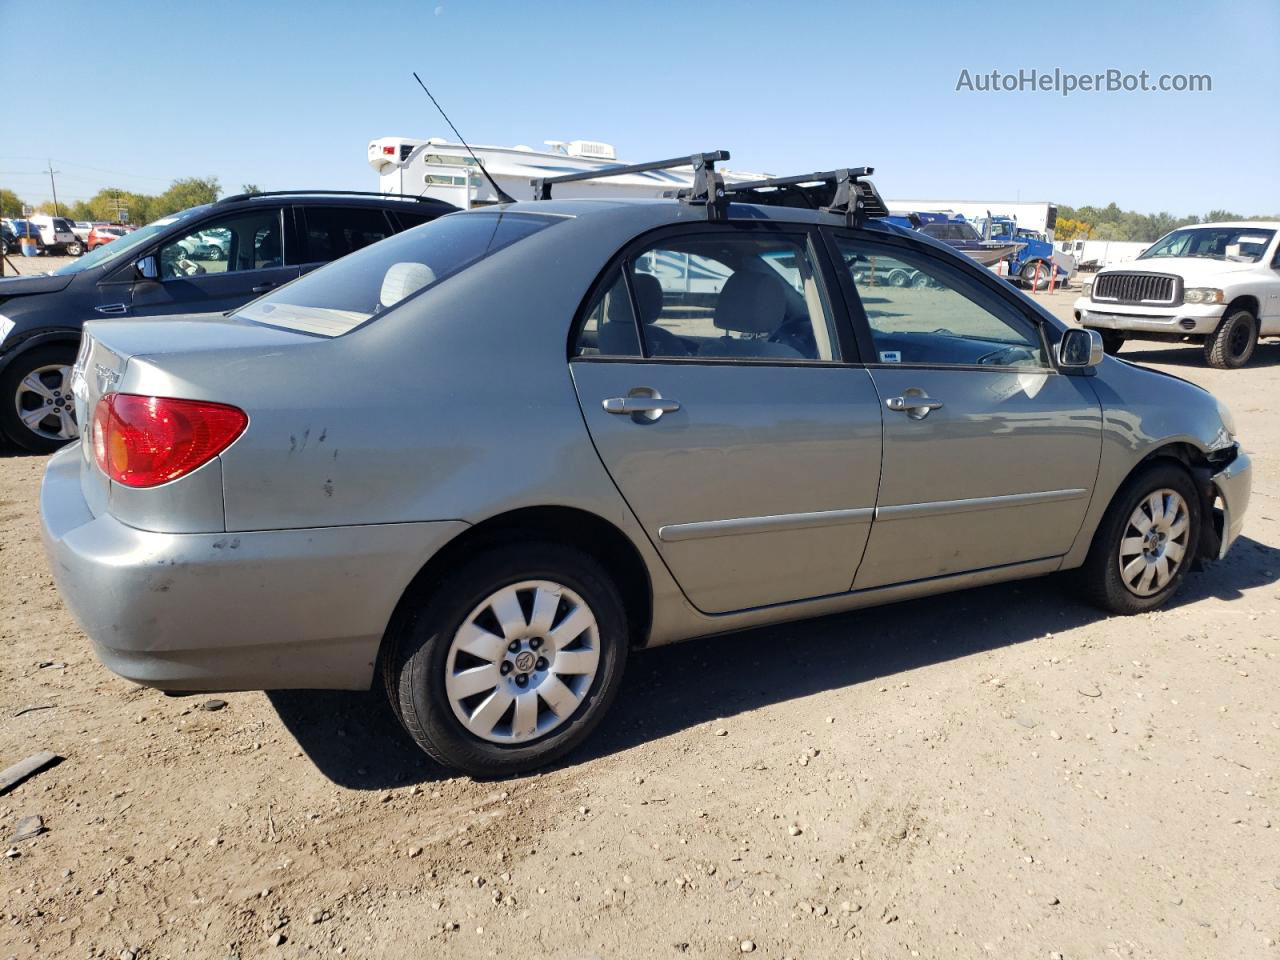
x=10, y=204
x=250, y=188
x=184, y=193
x=1214, y=216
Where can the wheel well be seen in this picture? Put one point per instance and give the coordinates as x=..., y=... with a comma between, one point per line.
x=568, y=526
x=1245, y=302
x=1201, y=467
x=38, y=340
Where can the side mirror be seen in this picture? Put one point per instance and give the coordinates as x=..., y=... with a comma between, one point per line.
x=147, y=268
x=1080, y=349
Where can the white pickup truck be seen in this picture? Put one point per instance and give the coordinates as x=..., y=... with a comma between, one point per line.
x=1211, y=283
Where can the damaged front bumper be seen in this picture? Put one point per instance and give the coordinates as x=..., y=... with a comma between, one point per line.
x=1228, y=499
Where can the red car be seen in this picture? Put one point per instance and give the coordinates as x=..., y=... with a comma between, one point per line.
x=100, y=235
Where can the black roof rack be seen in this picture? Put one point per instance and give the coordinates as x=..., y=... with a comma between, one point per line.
x=844, y=191
x=707, y=190
x=326, y=193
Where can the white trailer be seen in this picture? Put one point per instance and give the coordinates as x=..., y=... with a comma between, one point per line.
x=1096, y=254
x=1041, y=217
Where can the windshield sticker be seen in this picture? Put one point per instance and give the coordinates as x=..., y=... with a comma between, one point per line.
x=890, y=356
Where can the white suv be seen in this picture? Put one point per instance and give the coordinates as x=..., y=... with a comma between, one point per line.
x=1211, y=283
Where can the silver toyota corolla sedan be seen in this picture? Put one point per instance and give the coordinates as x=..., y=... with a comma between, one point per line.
x=482, y=460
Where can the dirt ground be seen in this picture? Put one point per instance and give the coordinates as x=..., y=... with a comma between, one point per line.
x=1001, y=772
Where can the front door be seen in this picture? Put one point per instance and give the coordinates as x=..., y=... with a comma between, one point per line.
x=711, y=379
x=219, y=265
x=990, y=454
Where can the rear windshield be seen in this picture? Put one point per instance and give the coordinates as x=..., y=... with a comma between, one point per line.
x=337, y=298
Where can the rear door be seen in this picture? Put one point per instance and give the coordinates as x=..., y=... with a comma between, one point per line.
x=990, y=454
x=719, y=392
x=219, y=264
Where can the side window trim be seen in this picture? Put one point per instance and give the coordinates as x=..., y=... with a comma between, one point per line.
x=862, y=324
x=845, y=347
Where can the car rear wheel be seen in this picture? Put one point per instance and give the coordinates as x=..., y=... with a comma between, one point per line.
x=510, y=661
x=1233, y=343
x=1112, y=341
x=1146, y=542
x=37, y=411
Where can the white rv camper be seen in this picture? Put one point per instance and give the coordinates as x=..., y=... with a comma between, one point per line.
x=445, y=171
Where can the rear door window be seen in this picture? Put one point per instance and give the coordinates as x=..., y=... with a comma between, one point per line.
x=332, y=232
x=716, y=296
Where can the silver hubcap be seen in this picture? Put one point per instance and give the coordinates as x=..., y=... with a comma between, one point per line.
x=45, y=405
x=1154, y=544
x=522, y=661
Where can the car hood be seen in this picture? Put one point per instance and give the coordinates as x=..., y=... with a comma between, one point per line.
x=1194, y=271
x=41, y=283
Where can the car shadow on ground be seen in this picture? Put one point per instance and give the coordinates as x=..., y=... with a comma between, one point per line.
x=1267, y=354
x=355, y=741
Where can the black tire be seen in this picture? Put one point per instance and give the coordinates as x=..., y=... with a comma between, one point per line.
x=1028, y=275
x=1112, y=341
x=75, y=249
x=21, y=366
x=1100, y=576
x=419, y=647
x=1232, y=344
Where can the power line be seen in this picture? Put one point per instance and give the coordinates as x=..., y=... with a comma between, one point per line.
x=86, y=166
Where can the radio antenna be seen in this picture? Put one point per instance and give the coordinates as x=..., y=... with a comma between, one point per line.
x=503, y=196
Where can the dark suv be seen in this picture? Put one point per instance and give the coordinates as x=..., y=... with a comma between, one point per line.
x=208, y=259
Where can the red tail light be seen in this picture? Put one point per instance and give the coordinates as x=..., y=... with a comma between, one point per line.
x=147, y=441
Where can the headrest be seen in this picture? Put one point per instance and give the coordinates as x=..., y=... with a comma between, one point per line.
x=648, y=296
x=751, y=303
x=403, y=279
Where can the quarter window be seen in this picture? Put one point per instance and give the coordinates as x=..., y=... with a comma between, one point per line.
x=921, y=312
x=610, y=325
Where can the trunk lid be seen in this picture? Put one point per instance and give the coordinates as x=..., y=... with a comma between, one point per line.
x=110, y=350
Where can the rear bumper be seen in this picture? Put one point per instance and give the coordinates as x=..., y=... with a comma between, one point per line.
x=1233, y=486
x=229, y=611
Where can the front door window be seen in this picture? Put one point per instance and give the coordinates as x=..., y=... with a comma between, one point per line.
x=249, y=240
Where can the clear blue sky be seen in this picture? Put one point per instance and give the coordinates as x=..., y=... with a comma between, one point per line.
x=288, y=94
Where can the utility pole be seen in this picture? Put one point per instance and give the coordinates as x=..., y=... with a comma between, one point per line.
x=53, y=187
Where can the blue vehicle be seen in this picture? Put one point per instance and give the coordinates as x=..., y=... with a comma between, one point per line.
x=955, y=231
x=15, y=230
x=1034, y=259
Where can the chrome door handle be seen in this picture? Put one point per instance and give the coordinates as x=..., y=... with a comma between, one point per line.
x=642, y=404
x=261, y=288
x=112, y=309
x=916, y=407
x=645, y=405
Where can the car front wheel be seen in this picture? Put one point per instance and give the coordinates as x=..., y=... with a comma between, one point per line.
x=1146, y=541
x=1233, y=343
x=37, y=411
x=510, y=661
x=75, y=249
